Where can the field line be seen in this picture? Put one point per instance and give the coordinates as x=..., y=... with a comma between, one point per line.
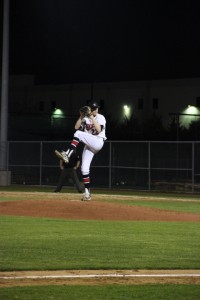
x=71, y=276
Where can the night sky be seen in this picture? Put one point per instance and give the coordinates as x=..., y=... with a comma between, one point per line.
x=63, y=41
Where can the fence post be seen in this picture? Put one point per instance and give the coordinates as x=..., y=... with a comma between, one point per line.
x=192, y=167
x=41, y=163
x=110, y=165
x=149, y=165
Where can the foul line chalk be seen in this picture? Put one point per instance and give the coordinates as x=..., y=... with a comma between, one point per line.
x=98, y=276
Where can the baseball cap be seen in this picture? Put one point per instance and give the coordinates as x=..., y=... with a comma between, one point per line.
x=93, y=105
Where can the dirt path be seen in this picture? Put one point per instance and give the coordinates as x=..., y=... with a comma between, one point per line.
x=99, y=277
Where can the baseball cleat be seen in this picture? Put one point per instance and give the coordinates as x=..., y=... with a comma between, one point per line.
x=62, y=155
x=86, y=197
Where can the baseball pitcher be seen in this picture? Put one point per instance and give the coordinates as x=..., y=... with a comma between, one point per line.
x=90, y=130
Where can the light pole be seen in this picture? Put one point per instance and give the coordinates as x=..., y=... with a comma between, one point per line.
x=4, y=174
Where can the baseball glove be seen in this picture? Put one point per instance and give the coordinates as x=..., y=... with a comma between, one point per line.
x=85, y=111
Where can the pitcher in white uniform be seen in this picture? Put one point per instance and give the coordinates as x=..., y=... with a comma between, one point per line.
x=90, y=130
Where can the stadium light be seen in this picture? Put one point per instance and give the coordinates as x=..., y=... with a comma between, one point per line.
x=126, y=111
x=57, y=113
x=190, y=114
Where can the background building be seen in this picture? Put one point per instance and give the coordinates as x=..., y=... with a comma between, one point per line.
x=49, y=111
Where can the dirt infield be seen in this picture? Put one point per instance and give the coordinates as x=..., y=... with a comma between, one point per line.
x=69, y=206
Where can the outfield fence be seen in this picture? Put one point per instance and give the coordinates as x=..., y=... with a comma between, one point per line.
x=141, y=165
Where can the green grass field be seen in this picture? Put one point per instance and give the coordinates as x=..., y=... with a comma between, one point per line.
x=28, y=243
x=43, y=243
x=106, y=292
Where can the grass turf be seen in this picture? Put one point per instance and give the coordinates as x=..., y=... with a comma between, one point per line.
x=48, y=244
x=106, y=292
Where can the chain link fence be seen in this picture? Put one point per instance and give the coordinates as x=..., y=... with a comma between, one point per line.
x=141, y=165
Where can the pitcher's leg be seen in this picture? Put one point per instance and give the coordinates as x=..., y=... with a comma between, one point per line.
x=72, y=147
x=87, y=157
x=93, y=142
x=65, y=155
